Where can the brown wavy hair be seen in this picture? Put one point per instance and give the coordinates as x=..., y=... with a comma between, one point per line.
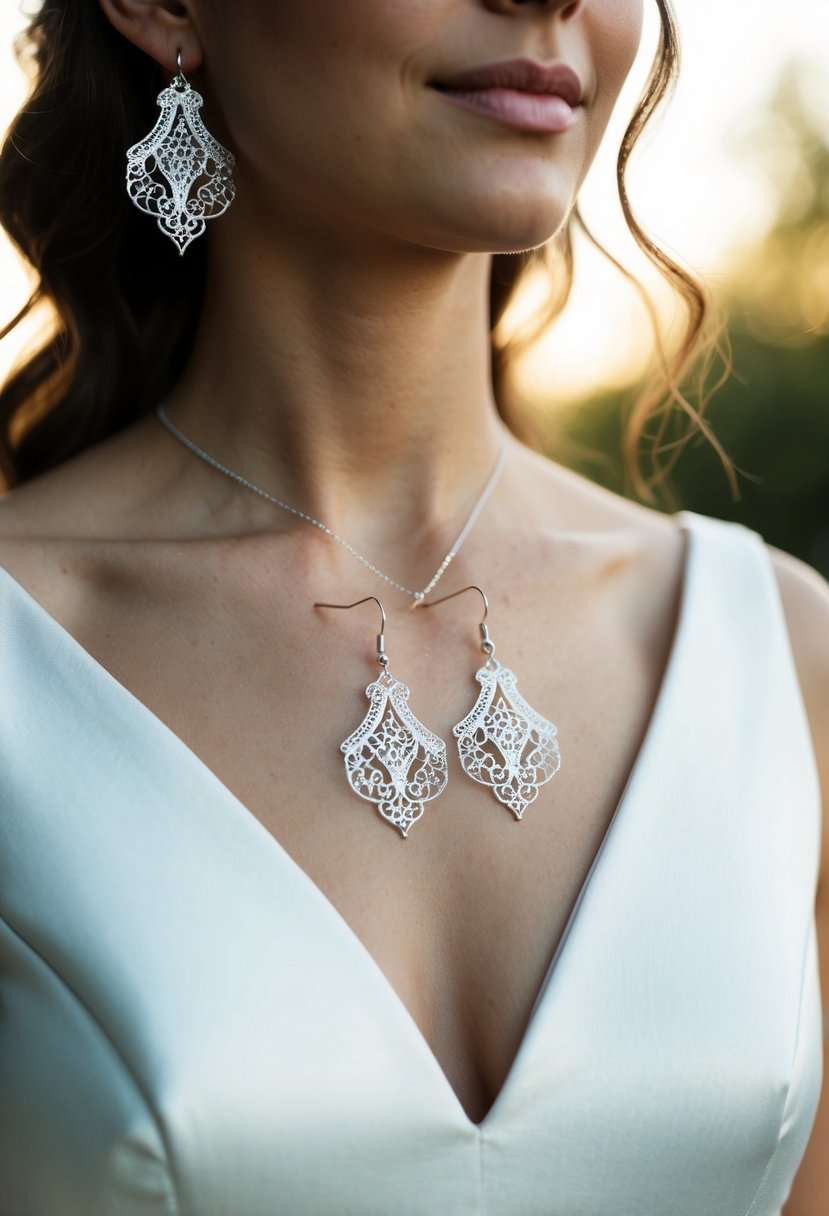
x=125, y=306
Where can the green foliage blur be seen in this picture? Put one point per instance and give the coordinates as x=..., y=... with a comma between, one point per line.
x=772, y=414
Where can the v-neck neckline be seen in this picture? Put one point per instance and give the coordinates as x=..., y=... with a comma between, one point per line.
x=686, y=522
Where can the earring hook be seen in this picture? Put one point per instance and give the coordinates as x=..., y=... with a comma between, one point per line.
x=180, y=80
x=487, y=645
x=443, y=598
x=382, y=657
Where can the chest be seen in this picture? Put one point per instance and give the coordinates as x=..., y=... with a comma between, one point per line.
x=205, y=980
x=464, y=917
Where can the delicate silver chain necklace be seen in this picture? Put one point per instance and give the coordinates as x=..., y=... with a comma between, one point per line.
x=416, y=595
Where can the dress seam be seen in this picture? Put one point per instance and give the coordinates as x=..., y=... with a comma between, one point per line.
x=481, y=1134
x=171, y=1201
x=797, y=1038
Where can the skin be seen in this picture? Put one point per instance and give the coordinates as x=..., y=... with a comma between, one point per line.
x=359, y=208
x=342, y=362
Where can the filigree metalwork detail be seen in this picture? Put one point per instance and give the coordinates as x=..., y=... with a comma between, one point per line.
x=181, y=151
x=392, y=759
x=505, y=744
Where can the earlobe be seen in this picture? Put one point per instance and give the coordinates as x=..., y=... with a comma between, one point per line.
x=158, y=27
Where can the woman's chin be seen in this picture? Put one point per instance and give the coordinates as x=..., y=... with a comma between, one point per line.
x=507, y=234
x=507, y=222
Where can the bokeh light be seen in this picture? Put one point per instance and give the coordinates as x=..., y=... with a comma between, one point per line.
x=691, y=183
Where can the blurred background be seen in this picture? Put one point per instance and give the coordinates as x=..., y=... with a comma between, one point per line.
x=733, y=181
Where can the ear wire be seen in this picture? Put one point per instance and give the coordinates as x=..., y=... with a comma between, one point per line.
x=382, y=657
x=487, y=645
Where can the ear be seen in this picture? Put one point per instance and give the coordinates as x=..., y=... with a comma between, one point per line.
x=158, y=27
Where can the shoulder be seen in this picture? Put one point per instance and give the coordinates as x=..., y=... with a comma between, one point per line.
x=805, y=597
x=103, y=488
x=99, y=501
x=55, y=528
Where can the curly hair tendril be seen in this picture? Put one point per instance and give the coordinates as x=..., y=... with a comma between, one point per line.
x=125, y=307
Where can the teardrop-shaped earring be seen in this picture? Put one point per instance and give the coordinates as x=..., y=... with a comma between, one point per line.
x=181, y=151
x=392, y=759
x=503, y=742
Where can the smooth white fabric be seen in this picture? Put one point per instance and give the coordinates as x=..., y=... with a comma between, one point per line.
x=189, y=1027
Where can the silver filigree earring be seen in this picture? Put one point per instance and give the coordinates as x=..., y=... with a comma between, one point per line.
x=503, y=742
x=391, y=759
x=164, y=167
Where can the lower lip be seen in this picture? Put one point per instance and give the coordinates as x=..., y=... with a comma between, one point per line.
x=528, y=111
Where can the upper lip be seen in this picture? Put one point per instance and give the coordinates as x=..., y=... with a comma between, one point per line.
x=525, y=74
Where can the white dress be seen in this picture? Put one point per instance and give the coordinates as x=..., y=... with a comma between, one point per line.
x=189, y=1027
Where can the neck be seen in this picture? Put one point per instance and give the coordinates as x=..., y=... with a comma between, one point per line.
x=353, y=384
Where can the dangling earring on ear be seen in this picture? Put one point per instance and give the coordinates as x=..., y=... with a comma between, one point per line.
x=504, y=744
x=182, y=151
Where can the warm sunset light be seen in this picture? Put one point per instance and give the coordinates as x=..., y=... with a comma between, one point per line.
x=692, y=183
x=227, y=987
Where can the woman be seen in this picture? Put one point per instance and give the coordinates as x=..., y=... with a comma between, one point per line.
x=230, y=987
